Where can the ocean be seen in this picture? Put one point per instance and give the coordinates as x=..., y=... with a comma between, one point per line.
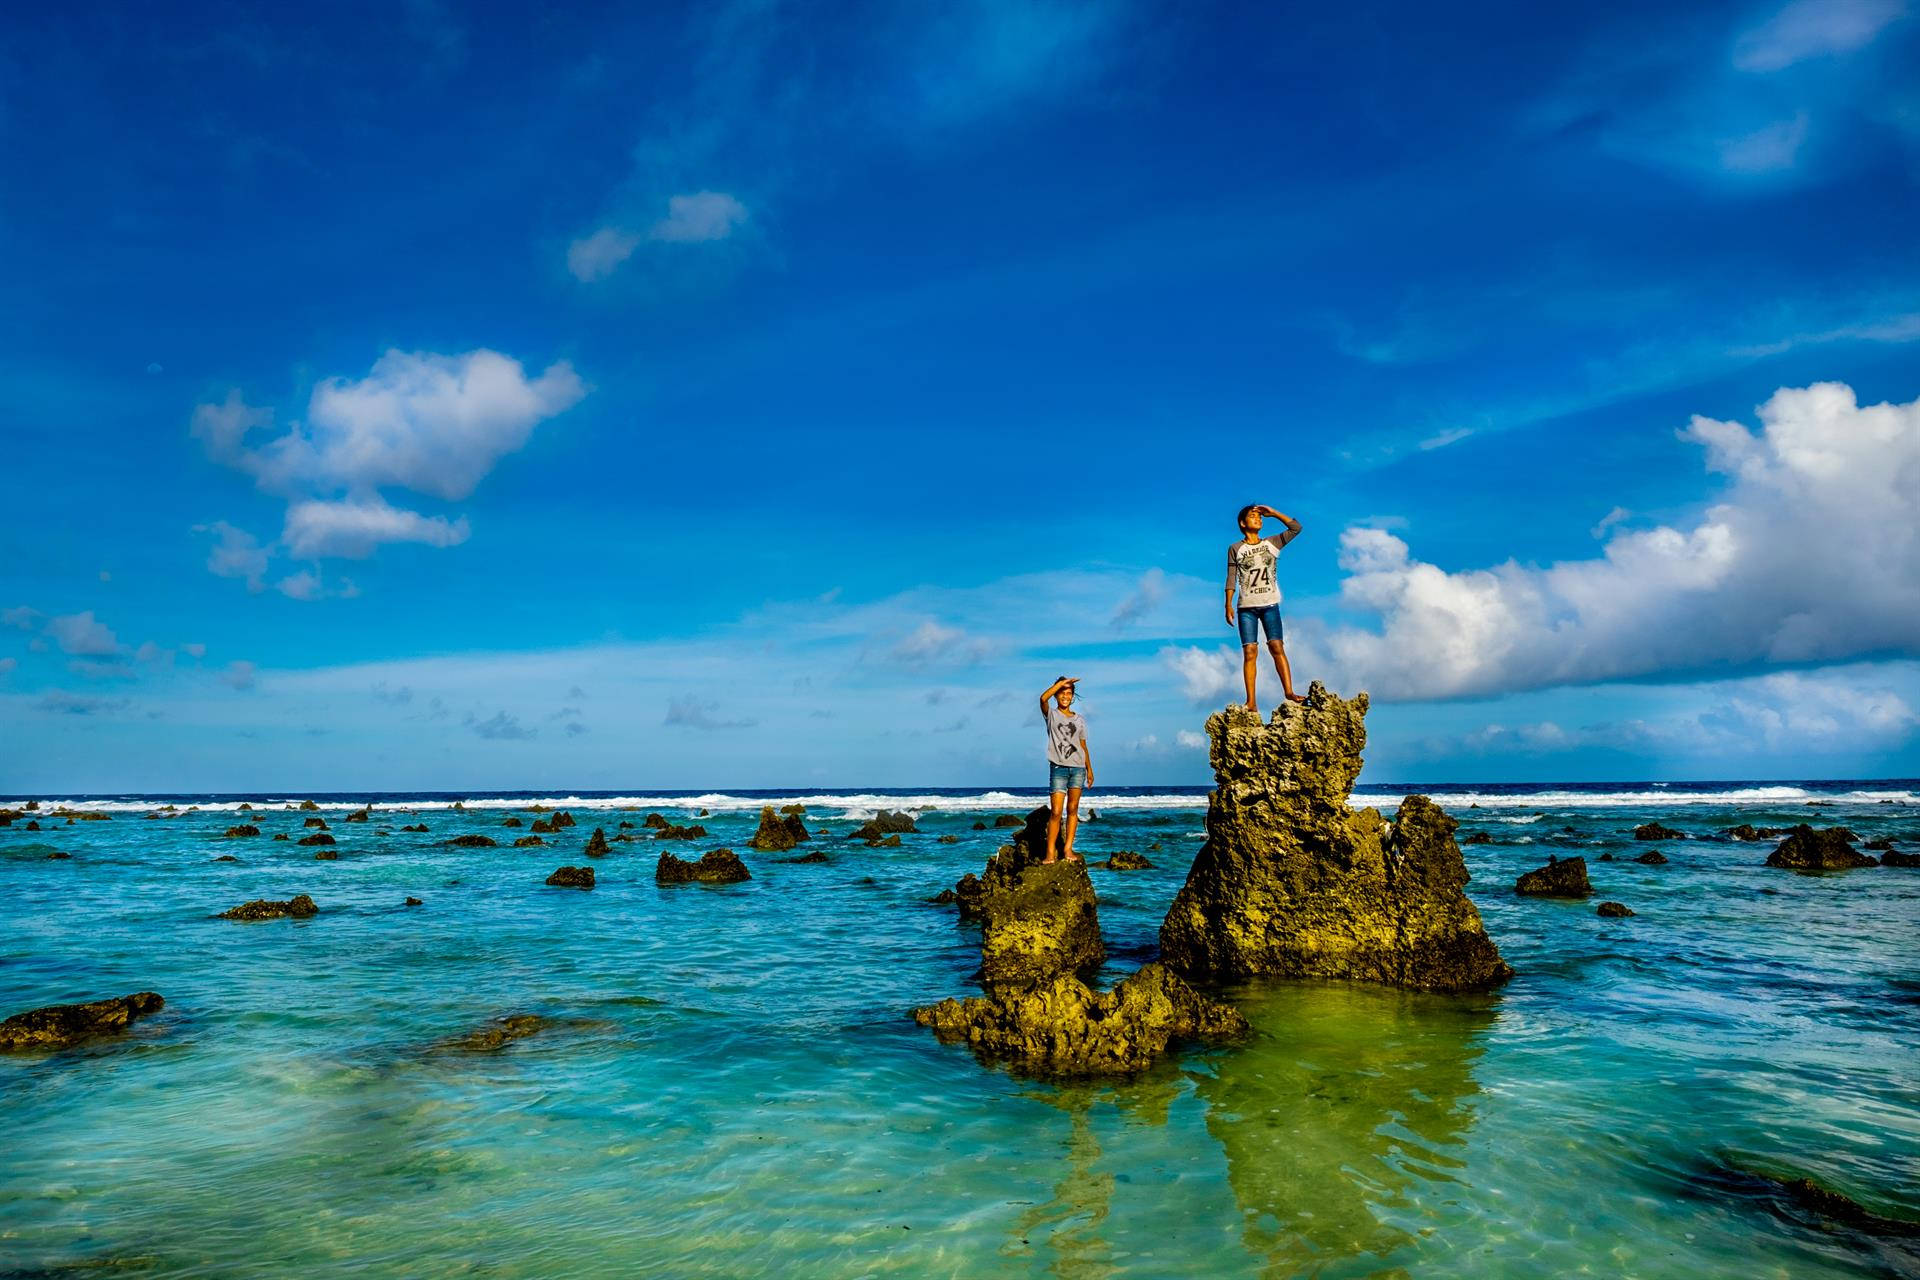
x=727, y=1082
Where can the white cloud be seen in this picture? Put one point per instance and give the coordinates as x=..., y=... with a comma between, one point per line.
x=152, y=654
x=699, y=216
x=1810, y=554
x=1893, y=330
x=237, y=554
x=1440, y=440
x=933, y=643
x=700, y=713
x=21, y=618
x=1144, y=600
x=299, y=586
x=1205, y=675
x=1766, y=150
x=82, y=634
x=195, y=650
x=240, y=675
x=432, y=424
x=1609, y=520
x=353, y=528
x=595, y=257
x=1188, y=740
x=1814, y=28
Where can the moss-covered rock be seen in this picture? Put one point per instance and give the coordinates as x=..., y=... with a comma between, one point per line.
x=1807, y=849
x=1613, y=910
x=1126, y=860
x=597, y=846
x=317, y=838
x=56, y=1026
x=717, y=866
x=883, y=824
x=242, y=832
x=572, y=878
x=781, y=831
x=1064, y=1029
x=1560, y=878
x=1293, y=881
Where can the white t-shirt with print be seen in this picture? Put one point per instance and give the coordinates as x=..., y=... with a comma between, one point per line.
x=1252, y=564
x=1066, y=738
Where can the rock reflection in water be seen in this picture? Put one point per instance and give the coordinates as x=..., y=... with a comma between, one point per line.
x=1340, y=1116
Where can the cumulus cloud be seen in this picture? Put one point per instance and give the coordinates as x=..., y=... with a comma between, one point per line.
x=432, y=424
x=595, y=257
x=700, y=713
x=236, y=553
x=1205, y=675
x=240, y=675
x=1144, y=600
x=82, y=634
x=1811, y=554
x=354, y=528
x=1812, y=29
x=21, y=618
x=935, y=643
x=299, y=586
x=1190, y=741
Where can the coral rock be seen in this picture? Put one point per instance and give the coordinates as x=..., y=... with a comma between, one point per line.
x=1564, y=878
x=883, y=824
x=299, y=907
x=58, y=1025
x=1126, y=860
x=1652, y=858
x=1654, y=831
x=529, y=842
x=1063, y=1029
x=317, y=838
x=1612, y=910
x=572, y=878
x=472, y=842
x=1897, y=859
x=1293, y=881
x=720, y=866
x=779, y=831
x=242, y=831
x=1806, y=849
x=597, y=846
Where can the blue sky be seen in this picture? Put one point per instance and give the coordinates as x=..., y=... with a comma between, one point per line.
x=428, y=395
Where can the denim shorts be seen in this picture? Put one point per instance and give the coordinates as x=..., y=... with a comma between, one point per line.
x=1066, y=777
x=1266, y=617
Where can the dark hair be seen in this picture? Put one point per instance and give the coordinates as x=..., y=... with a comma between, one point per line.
x=1241, y=519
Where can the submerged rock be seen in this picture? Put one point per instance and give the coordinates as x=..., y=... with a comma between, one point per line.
x=1063, y=1029
x=1560, y=878
x=1612, y=910
x=472, y=842
x=1806, y=849
x=418, y=826
x=56, y=1026
x=529, y=842
x=226, y=857
x=779, y=831
x=1126, y=860
x=572, y=878
x=597, y=846
x=672, y=832
x=242, y=831
x=1291, y=880
x=496, y=1034
x=1654, y=831
x=818, y=855
x=1652, y=858
x=298, y=907
x=719, y=866
x=281, y=835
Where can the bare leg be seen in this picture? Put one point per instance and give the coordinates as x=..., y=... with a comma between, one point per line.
x=1250, y=669
x=1279, y=652
x=1053, y=827
x=1073, y=823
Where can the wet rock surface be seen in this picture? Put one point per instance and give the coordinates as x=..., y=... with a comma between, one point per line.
x=1293, y=881
x=781, y=831
x=719, y=866
x=1561, y=878
x=1898, y=859
x=1808, y=849
x=57, y=1026
x=1652, y=858
x=1613, y=910
x=317, y=838
x=572, y=878
x=473, y=842
x=1064, y=1029
x=241, y=832
x=1654, y=831
x=497, y=1034
x=1126, y=860
x=597, y=846
x=883, y=824
x=298, y=907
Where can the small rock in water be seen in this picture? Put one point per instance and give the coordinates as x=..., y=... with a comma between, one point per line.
x=672, y=832
x=1008, y=820
x=56, y=1026
x=1478, y=837
x=788, y=810
x=299, y=907
x=358, y=815
x=1652, y=858
x=308, y=806
x=317, y=823
x=414, y=902
x=1126, y=860
x=979, y=826
x=1654, y=831
x=472, y=842
x=326, y=855
x=1612, y=910
x=418, y=826
x=948, y=840
x=572, y=878
x=1900, y=859
x=495, y=1035
x=528, y=842
x=318, y=837
x=818, y=855
x=1606, y=857
x=226, y=857
x=281, y=835
x=883, y=824
x=562, y=819
x=597, y=844
x=511, y=822
x=1564, y=879
x=720, y=866
x=58, y=855
x=242, y=831
x=888, y=842
x=779, y=831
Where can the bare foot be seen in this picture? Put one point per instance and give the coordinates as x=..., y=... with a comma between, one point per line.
x=1251, y=707
x=1045, y=862
x=1073, y=857
x=1294, y=697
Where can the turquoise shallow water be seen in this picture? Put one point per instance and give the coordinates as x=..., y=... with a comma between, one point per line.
x=730, y=1085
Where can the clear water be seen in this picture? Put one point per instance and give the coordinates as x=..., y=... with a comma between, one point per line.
x=730, y=1085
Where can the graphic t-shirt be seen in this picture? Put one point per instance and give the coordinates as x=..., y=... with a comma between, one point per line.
x=1066, y=738
x=1251, y=564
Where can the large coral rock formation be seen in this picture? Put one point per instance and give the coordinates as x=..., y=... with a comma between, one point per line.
x=779, y=831
x=58, y=1025
x=1036, y=919
x=716, y=866
x=1807, y=849
x=1293, y=881
x=1065, y=1029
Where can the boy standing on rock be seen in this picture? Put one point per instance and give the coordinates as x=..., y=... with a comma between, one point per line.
x=1069, y=766
x=1250, y=567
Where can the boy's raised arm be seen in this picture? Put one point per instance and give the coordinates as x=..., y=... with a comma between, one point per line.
x=1293, y=526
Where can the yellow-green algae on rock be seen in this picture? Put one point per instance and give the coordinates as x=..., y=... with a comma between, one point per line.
x=1293, y=881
